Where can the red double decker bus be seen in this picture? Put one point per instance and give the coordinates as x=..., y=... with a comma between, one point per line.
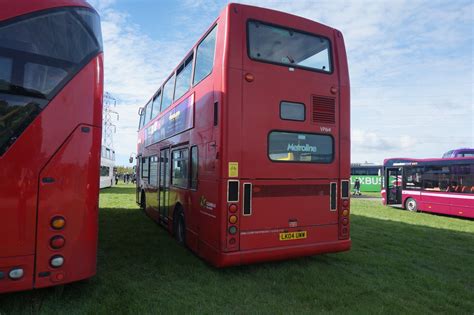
x=51, y=86
x=244, y=151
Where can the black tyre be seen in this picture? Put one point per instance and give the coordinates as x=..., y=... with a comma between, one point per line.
x=142, y=200
x=411, y=205
x=180, y=228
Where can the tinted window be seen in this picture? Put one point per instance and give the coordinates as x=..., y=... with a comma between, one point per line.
x=154, y=171
x=147, y=113
x=156, y=105
x=292, y=111
x=194, y=167
x=39, y=53
x=145, y=167
x=168, y=90
x=413, y=177
x=288, y=47
x=300, y=147
x=205, y=56
x=104, y=171
x=179, y=175
x=183, y=78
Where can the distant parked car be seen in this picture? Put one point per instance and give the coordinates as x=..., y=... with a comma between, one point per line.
x=461, y=152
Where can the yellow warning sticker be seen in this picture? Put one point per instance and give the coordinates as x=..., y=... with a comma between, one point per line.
x=233, y=169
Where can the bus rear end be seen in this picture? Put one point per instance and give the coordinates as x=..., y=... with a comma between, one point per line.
x=287, y=138
x=51, y=86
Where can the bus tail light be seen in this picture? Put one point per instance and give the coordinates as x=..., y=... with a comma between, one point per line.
x=333, y=196
x=56, y=261
x=247, y=204
x=233, y=208
x=344, y=189
x=233, y=219
x=57, y=242
x=344, y=211
x=232, y=227
x=232, y=230
x=233, y=191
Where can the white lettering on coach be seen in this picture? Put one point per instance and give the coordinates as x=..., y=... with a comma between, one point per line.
x=301, y=148
x=325, y=129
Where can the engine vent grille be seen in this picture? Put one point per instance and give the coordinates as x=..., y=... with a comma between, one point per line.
x=324, y=109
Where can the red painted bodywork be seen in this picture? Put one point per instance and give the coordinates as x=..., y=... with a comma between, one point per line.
x=440, y=202
x=247, y=112
x=62, y=143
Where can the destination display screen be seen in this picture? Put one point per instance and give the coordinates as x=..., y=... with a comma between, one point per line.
x=300, y=147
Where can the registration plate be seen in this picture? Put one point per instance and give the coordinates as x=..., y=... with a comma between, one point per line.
x=292, y=235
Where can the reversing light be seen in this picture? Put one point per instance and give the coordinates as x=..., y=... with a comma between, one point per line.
x=56, y=261
x=345, y=203
x=232, y=230
x=16, y=274
x=57, y=242
x=345, y=212
x=58, y=223
x=233, y=219
x=233, y=208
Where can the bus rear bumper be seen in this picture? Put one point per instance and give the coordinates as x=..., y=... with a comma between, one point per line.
x=23, y=264
x=281, y=253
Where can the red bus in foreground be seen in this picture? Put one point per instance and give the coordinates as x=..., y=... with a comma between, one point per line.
x=51, y=84
x=444, y=186
x=244, y=151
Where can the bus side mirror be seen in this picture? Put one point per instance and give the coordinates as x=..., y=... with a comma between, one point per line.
x=130, y=159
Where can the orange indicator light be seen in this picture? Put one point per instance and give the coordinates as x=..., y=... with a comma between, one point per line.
x=58, y=223
x=233, y=219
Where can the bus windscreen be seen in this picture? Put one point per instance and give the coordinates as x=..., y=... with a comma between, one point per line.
x=38, y=55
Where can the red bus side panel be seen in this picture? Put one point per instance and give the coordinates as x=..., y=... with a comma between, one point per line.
x=73, y=194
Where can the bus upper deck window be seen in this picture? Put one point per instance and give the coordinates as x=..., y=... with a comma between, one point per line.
x=288, y=47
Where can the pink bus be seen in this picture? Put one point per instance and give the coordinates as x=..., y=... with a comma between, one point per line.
x=444, y=186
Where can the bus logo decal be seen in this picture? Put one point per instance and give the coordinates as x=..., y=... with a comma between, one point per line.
x=301, y=148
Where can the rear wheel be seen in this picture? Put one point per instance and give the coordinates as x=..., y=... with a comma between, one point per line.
x=180, y=228
x=142, y=200
x=411, y=205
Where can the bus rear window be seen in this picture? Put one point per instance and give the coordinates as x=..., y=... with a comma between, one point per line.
x=300, y=147
x=288, y=47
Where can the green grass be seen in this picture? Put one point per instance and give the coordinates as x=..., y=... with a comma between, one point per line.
x=401, y=262
x=371, y=194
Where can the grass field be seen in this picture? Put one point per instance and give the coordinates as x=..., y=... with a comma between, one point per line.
x=401, y=262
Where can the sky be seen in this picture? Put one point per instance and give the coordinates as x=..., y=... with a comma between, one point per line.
x=411, y=66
